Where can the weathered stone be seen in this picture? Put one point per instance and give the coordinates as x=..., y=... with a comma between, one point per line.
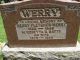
x=61, y=53
x=32, y=56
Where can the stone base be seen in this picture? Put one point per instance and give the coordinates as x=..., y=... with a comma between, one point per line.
x=59, y=53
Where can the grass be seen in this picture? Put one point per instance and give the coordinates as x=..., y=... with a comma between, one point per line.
x=1, y=56
x=79, y=36
x=2, y=36
x=2, y=31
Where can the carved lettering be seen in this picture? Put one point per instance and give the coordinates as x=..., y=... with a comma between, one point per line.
x=46, y=12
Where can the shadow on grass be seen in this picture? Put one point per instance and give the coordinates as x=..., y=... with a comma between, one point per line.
x=79, y=36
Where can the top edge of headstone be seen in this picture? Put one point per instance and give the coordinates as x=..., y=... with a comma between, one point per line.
x=16, y=2
x=70, y=1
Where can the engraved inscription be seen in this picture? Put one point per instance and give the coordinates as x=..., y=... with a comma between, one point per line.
x=41, y=29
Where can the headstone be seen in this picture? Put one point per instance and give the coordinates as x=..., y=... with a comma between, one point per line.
x=41, y=23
